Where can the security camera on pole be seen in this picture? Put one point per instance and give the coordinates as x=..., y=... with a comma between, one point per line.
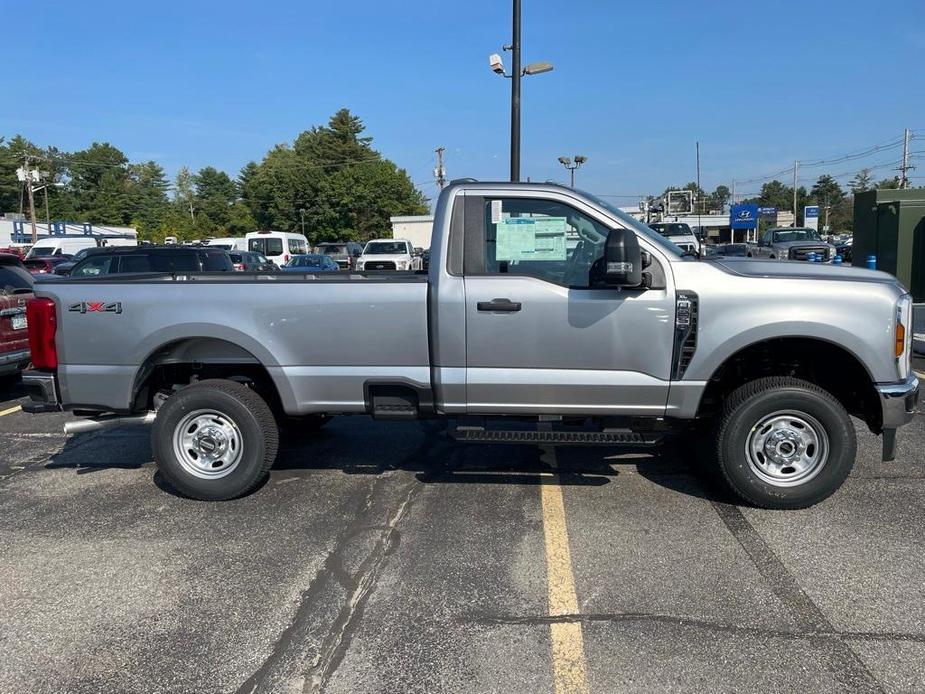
x=497, y=66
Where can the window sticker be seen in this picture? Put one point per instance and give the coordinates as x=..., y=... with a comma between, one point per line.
x=531, y=238
x=496, y=211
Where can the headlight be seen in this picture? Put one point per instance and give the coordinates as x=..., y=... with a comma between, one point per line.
x=402, y=265
x=902, y=335
x=360, y=264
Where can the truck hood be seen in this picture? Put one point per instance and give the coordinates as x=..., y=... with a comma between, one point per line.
x=750, y=267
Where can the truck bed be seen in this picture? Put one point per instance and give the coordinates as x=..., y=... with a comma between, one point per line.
x=320, y=336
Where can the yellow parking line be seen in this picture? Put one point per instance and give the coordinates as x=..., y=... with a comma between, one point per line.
x=568, y=652
x=10, y=411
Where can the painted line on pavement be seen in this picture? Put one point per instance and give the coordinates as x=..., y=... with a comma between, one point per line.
x=919, y=374
x=568, y=652
x=12, y=410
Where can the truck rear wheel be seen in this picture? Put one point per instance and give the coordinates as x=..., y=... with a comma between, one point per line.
x=784, y=443
x=214, y=440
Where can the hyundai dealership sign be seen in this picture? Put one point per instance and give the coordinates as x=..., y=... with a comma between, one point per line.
x=743, y=216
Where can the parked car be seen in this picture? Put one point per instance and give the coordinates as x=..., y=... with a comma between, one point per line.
x=248, y=261
x=15, y=291
x=173, y=259
x=425, y=259
x=230, y=243
x=344, y=253
x=388, y=254
x=621, y=338
x=844, y=249
x=71, y=244
x=680, y=234
x=278, y=246
x=14, y=250
x=311, y=262
x=792, y=243
x=45, y=264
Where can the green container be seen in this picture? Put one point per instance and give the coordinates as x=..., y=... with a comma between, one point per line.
x=890, y=224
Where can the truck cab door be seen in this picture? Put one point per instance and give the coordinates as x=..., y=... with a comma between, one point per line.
x=542, y=336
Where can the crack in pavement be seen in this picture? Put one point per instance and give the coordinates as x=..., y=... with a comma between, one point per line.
x=844, y=663
x=695, y=622
x=331, y=607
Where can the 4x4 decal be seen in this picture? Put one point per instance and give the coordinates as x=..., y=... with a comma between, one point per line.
x=96, y=307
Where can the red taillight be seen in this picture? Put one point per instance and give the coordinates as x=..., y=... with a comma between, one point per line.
x=40, y=315
x=239, y=267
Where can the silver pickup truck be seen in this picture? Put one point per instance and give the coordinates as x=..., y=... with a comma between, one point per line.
x=547, y=316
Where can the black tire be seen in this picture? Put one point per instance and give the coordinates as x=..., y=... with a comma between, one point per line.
x=254, y=422
x=745, y=409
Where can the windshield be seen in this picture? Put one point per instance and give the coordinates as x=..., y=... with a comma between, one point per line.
x=666, y=229
x=386, y=248
x=39, y=251
x=310, y=260
x=785, y=235
x=637, y=226
x=334, y=250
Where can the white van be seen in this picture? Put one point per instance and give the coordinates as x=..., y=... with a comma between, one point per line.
x=72, y=244
x=278, y=246
x=229, y=243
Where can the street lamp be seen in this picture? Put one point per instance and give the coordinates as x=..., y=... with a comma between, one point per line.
x=497, y=66
x=302, y=217
x=567, y=163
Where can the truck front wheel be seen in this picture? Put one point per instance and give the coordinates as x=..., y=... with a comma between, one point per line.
x=214, y=440
x=784, y=443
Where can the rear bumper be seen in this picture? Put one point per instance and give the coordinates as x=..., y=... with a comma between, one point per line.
x=14, y=361
x=43, y=391
x=898, y=402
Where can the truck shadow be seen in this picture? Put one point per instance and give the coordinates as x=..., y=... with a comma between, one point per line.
x=359, y=446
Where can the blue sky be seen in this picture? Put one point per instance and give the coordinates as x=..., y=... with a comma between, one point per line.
x=635, y=85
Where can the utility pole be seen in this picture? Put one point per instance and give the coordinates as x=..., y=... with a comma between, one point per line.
x=904, y=169
x=440, y=172
x=28, y=177
x=796, y=175
x=515, y=94
x=733, y=191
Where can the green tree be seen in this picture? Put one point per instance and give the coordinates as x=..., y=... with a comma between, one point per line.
x=215, y=194
x=148, y=197
x=347, y=189
x=888, y=183
x=719, y=198
x=861, y=182
x=98, y=180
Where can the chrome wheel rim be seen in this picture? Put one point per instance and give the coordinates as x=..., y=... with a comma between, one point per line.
x=787, y=448
x=207, y=444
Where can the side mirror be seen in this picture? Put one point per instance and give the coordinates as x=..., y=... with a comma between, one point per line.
x=622, y=259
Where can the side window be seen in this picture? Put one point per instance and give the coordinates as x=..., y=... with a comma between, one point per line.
x=93, y=267
x=297, y=247
x=543, y=239
x=135, y=263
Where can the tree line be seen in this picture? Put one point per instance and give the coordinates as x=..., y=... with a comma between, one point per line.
x=330, y=182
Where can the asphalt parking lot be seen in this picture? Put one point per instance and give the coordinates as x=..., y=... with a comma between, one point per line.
x=385, y=558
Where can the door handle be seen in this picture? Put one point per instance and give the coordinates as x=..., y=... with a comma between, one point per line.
x=505, y=305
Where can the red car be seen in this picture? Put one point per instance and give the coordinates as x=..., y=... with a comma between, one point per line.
x=15, y=291
x=45, y=265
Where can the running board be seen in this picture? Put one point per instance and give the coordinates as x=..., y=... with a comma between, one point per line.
x=578, y=438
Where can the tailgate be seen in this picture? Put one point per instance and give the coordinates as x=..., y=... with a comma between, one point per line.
x=13, y=334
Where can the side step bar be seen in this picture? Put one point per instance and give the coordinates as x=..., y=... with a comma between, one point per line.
x=578, y=438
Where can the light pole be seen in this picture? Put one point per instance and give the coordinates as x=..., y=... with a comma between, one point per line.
x=497, y=66
x=567, y=163
x=302, y=218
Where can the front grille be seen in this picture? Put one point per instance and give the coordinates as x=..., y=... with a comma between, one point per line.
x=802, y=253
x=379, y=265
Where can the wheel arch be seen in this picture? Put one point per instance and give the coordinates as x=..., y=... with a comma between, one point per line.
x=832, y=366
